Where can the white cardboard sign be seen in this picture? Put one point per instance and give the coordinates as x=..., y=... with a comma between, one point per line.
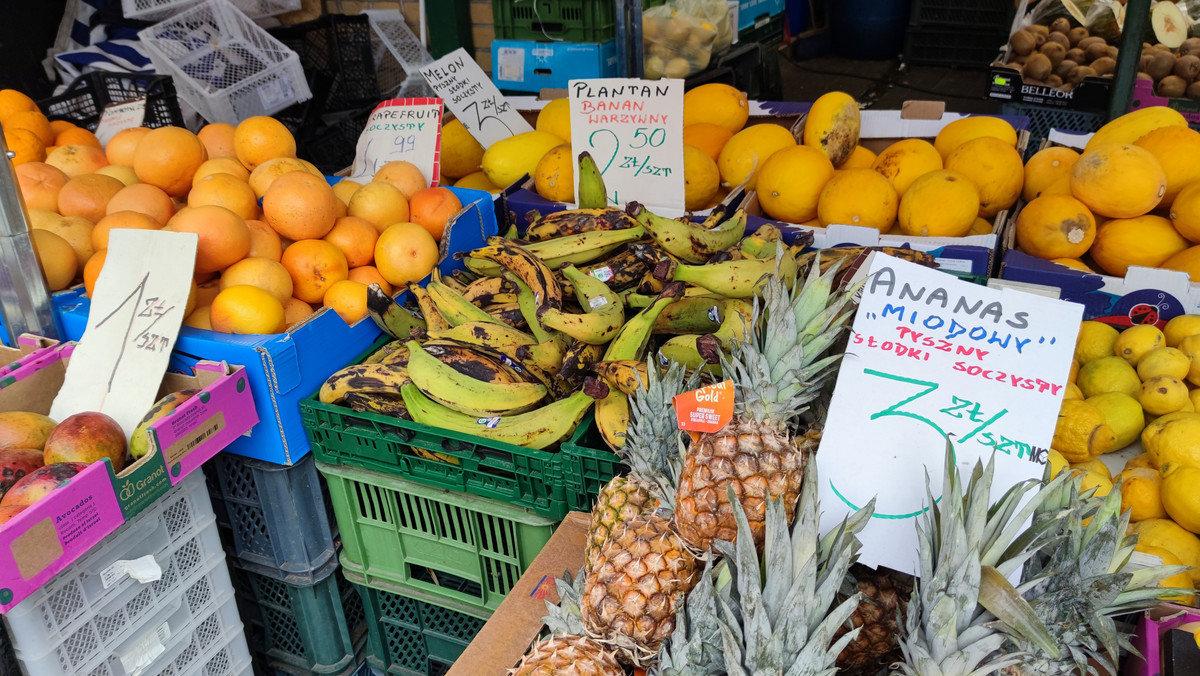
x=401, y=129
x=137, y=308
x=634, y=131
x=120, y=116
x=932, y=357
x=476, y=102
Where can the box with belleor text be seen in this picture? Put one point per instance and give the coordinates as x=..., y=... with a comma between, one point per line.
x=64, y=524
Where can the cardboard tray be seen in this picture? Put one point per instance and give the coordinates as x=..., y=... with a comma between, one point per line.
x=54, y=531
x=30, y=349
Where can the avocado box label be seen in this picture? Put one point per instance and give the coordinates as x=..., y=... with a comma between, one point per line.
x=475, y=101
x=932, y=359
x=408, y=130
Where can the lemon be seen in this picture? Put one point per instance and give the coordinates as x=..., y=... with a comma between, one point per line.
x=1191, y=347
x=1174, y=437
x=1194, y=396
x=1100, y=482
x=1141, y=494
x=1081, y=432
x=554, y=177
x=1178, y=580
x=1056, y=461
x=1123, y=414
x=555, y=118
x=1072, y=392
x=701, y=179
x=1163, y=394
x=1164, y=361
x=1093, y=466
x=1108, y=374
x=1168, y=535
x=1074, y=372
x=1179, y=494
x=460, y=152
x=1134, y=342
x=1095, y=340
x=1144, y=461
x=1181, y=327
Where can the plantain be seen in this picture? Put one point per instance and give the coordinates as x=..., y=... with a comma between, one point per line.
x=384, y=351
x=592, y=193
x=508, y=313
x=688, y=241
x=434, y=320
x=578, y=361
x=484, y=290
x=368, y=378
x=454, y=306
x=391, y=405
x=538, y=428
x=612, y=417
x=503, y=254
x=465, y=393
x=626, y=375
x=469, y=361
x=391, y=317
x=577, y=222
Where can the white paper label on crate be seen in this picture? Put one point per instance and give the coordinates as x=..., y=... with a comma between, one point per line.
x=144, y=570
x=119, y=116
x=932, y=358
x=475, y=101
x=955, y=264
x=634, y=131
x=407, y=130
x=276, y=94
x=510, y=64
x=144, y=650
x=137, y=308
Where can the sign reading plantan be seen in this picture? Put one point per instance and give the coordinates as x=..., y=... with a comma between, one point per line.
x=933, y=359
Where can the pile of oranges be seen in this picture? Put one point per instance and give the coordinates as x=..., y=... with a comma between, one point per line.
x=276, y=241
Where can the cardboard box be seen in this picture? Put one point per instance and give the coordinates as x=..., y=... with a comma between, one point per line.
x=1152, y=627
x=30, y=349
x=1144, y=97
x=284, y=368
x=517, y=623
x=528, y=66
x=59, y=528
x=1006, y=84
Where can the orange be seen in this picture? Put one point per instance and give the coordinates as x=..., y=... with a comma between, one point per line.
x=717, y=103
x=59, y=126
x=91, y=271
x=77, y=231
x=13, y=101
x=432, y=207
x=380, y=204
x=34, y=121
x=200, y=318
x=77, y=160
x=246, y=310
x=264, y=273
x=207, y=291
x=264, y=242
x=265, y=174
x=356, y=238
x=294, y=310
x=258, y=139
x=217, y=139
x=167, y=158
x=224, y=237
x=129, y=220
x=369, y=274
x=707, y=137
x=345, y=189
x=122, y=146
x=56, y=257
x=144, y=198
x=315, y=265
x=40, y=183
x=77, y=136
x=300, y=206
x=404, y=253
x=221, y=165
x=88, y=196
x=25, y=146
x=404, y=175
x=41, y=218
x=348, y=299
x=120, y=172
x=226, y=191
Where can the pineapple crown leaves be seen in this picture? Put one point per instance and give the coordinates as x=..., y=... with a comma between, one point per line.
x=654, y=447
x=564, y=618
x=694, y=648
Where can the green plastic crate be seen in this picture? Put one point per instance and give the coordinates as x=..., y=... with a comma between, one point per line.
x=456, y=549
x=410, y=637
x=554, y=20
x=590, y=464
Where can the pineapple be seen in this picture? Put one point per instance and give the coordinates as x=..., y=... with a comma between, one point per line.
x=621, y=499
x=694, y=648
x=881, y=615
x=568, y=656
x=775, y=374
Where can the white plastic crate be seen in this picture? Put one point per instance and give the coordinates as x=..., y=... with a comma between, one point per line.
x=153, y=10
x=398, y=54
x=224, y=65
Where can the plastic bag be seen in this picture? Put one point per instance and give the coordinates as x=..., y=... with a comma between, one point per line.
x=675, y=43
x=713, y=13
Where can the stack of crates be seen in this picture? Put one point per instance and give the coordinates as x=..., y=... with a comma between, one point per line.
x=542, y=44
x=154, y=598
x=956, y=33
x=302, y=617
x=761, y=21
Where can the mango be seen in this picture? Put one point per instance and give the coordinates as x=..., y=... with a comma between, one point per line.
x=15, y=463
x=7, y=513
x=86, y=438
x=139, y=444
x=20, y=429
x=40, y=482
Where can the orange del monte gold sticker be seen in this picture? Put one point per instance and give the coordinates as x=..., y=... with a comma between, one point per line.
x=707, y=409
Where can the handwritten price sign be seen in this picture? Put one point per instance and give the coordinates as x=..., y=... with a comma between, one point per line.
x=476, y=102
x=407, y=130
x=932, y=358
x=136, y=312
x=634, y=131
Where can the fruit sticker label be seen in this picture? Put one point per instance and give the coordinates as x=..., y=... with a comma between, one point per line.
x=707, y=409
x=932, y=359
x=120, y=116
x=408, y=130
x=634, y=131
x=476, y=102
x=137, y=309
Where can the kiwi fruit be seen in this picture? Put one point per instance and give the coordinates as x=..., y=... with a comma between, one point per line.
x=1190, y=46
x=1193, y=91
x=1063, y=68
x=1037, y=66
x=1087, y=42
x=1078, y=73
x=1054, y=81
x=1020, y=60
x=1161, y=64
x=1144, y=76
x=1172, y=86
x=1077, y=34
x=1023, y=42
x=1059, y=39
x=1144, y=65
x=1162, y=48
x=1055, y=52
x=1038, y=29
x=1060, y=25
x=1187, y=67
x=1095, y=51
x=1104, y=65
x=1076, y=54
x=1107, y=76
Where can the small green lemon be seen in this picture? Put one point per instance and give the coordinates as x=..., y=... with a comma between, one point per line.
x=1108, y=374
x=1163, y=394
x=1181, y=327
x=1164, y=361
x=1095, y=340
x=1123, y=414
x=1135, y=341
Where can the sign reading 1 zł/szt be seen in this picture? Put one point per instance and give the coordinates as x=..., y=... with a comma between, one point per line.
x=634, y=131
x=476, y=102
x=931, y=358
x=407, y=130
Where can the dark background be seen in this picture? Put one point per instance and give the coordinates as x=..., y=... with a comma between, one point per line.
x=27, y=30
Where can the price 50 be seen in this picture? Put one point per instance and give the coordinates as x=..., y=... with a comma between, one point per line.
x=653, y=137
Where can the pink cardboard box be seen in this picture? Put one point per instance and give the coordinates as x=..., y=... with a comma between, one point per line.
x=61, y=527
x=30, y=349
x=1153, y=624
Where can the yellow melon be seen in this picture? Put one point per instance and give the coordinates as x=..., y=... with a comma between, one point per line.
x=858, y=197
x=861, y=158
x=1055, y=226
x=1118, y=181
x=507, y=160
x=1176, y=149
x=1146, y=240
x=790, y=183
x=995, y=167
x=1049, y=167
x=940, y=203
x=905, y=161
x=1132, y=126
x=747, y=152
x=1187, y=261
x=1185, y=212
x=959, y=132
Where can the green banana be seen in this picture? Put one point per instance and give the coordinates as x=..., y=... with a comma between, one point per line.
x=612, y=417
x=369, y=378
x=434, y=319
x=691, y=242
x=693, y=352
x=502, y=253
x=449, y=280
x=732, y=279
x=548, y=354
x=527, y=304
x=391, y=405
x=536, y=429
x=391, y=317
x=578, y=362
x=604, y=312
x=690, y=314
x=384, y=351
x=454, y=306
x=522, y=371
x=591, y=192
x=485, y=290
x=577, y=222
x=465, y=394
x=630, y=341
x=626, y=375
x=554, y=253
x=759, y=247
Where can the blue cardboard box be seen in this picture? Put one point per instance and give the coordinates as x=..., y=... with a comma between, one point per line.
x=528, y=66
x=58, y=301
x=286, y=367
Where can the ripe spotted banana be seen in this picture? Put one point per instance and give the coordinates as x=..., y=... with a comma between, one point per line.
x=612, y=417
x=384, y=351
x=454, y=306
x=548, y=354
x=626, y=375
x=832, y=126
x=577, y=222
x=575, y=249
x=630, y=341
x=732, y=279
x=434, y=320
x=692, y=242
x=690, y=314
x=537, y=429
x=528, y=306
x=469, y=361
x=369, y=378
x=449, y=280
x=693, y=352
x=465, y=394
x=391, y=405
x=391, y=317
x=604, y=311
x=501, y=253
x=624, y=268
x=485, y=290
x=483, y=333
x=578, y=361
x=508, y=313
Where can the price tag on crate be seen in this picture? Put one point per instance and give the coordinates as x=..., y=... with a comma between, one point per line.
x=120, y=116
x=931, y=359
x=137, y=308
x=634, y=131
x=476, y=102
x=407, y=130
